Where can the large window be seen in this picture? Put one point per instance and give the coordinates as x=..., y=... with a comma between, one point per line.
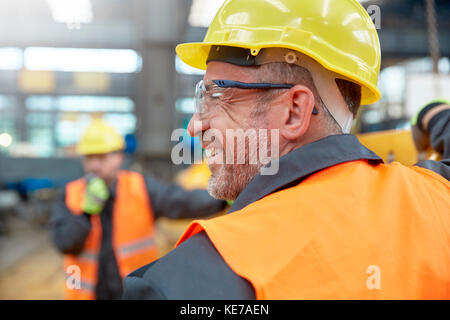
x=40, y=132
x=8, y=122
x=49, y=96
x=70, y=126
x=11, y=58
x=80, y=103
x=57, y=122
x=53, y=125
x=84, y=60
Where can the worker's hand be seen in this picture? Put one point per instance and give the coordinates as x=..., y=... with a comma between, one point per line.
x=95, y=197
x=419, y=124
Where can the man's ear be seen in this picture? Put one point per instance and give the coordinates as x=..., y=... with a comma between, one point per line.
x=297, y=114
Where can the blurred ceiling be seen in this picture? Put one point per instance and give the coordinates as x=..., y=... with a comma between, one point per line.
x=403, y=32
x=118, y=24
x=30, y=23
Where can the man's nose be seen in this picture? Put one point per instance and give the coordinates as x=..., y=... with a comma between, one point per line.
x=197, y=125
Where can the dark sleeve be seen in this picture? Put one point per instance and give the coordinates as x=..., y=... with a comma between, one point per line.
x=174, y=202
x=192, y=271
x=439, y=131
x=68, y=231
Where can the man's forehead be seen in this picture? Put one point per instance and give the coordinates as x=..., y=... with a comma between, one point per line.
x=102, y=155
x=218, y=70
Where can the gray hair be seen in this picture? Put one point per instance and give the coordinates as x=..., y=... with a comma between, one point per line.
x=281, y=72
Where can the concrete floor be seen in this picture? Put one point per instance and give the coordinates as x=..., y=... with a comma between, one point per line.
x=30, y=267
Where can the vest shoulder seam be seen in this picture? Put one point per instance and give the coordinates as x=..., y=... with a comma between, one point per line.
x=431, y=174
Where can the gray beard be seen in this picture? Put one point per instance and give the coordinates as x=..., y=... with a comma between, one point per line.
x=229, y=182
x=230, y=179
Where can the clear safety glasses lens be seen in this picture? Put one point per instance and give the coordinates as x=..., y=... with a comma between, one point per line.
x=205, y=94
x=199, y=102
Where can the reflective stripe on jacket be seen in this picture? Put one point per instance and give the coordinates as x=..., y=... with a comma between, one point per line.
x=350, y=231
x=133, y=232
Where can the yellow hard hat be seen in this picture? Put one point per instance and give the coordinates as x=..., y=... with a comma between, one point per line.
x=339, y=34
x=100, y=138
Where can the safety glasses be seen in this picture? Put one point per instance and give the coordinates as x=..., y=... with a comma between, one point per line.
x=211, y=91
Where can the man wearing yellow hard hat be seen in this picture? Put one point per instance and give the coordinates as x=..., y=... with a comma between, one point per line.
x=334, y=221
x=104, y=222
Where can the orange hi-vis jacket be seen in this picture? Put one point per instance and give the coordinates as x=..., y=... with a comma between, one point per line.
x=133, y=233
x=350, y=231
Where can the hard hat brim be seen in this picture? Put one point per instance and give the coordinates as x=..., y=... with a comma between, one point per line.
x=86, y=151
x=195, y=55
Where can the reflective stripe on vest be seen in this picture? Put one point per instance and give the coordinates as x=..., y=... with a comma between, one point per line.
x=86, y=286
x=89, y=256
x=352, y=231
x=133, y=231
x=78, y=288
x=135, y=247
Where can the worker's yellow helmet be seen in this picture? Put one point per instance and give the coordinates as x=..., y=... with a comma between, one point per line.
x=100, y=138
x=339, y=34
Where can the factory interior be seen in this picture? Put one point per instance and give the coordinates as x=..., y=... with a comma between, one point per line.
x=64, y=63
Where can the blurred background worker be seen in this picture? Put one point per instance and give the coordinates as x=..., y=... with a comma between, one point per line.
x=420, y=123
x=332, y=219
x=104, y=222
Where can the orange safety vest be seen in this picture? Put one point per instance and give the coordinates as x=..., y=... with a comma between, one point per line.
x=351, y=231
x=133, y=234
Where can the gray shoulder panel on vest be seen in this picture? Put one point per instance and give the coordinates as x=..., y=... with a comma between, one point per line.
x=439, y=130
x=194, y=271
x=442, y=167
